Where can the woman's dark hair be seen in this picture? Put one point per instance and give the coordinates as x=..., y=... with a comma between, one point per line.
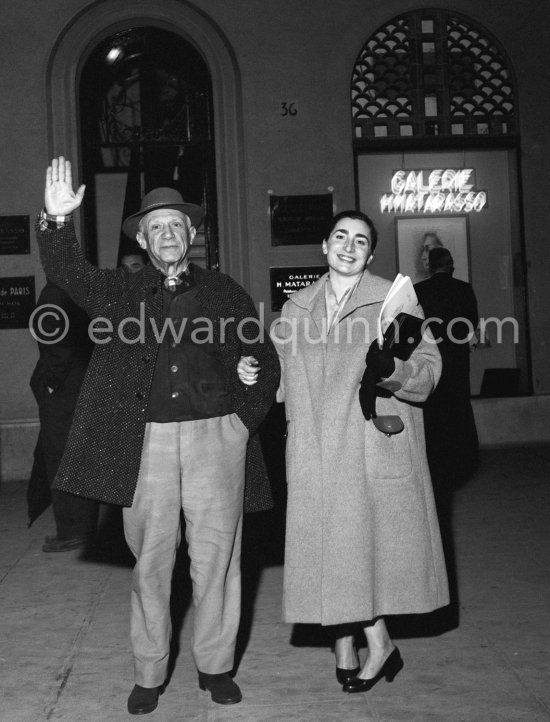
x=358, y=216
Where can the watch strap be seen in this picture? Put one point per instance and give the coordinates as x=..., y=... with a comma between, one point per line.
x=51, y=222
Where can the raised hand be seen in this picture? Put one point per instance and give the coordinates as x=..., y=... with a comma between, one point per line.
x=247, y=369
x=59, y=197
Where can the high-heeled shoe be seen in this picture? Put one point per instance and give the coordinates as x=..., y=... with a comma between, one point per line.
x=345, y=675
x=390, y=668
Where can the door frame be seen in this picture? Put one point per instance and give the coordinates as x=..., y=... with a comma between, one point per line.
x=77, y=40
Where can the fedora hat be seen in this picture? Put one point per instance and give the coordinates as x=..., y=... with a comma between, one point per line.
x=162, y=198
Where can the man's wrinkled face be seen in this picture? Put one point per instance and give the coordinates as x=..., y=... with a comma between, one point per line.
x=167, y=236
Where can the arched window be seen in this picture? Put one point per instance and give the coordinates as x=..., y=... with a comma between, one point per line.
x=146, y=121
x=431, y=73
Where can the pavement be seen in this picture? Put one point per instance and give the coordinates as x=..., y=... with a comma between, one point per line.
x=64, y=638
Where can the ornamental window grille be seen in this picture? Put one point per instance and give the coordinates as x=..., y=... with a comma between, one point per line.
x=429, y=73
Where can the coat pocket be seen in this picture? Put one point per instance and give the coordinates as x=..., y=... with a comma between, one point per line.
x=238, y=425
x=387, y=457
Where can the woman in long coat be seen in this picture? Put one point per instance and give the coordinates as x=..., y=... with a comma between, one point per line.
x=362, y=538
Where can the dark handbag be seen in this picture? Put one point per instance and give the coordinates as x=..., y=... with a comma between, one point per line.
x=403, y=335
x=401, y=338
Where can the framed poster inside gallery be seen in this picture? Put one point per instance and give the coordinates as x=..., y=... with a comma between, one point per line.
x=411, y=235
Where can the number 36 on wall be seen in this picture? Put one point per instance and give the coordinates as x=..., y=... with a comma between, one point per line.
x=288, y=108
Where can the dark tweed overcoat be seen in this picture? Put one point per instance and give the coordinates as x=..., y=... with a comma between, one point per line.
x=103, y=452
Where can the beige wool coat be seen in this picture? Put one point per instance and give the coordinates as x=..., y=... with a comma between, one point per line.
x=362, y=537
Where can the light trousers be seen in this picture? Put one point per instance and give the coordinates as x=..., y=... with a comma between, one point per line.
x=197, y=466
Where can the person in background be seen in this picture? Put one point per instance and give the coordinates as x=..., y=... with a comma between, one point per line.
x=55, y=383
x=362, y=539
x=163, y=424
x=430, y=240
x=450, y=307
x=134, y=261
x=452, y=447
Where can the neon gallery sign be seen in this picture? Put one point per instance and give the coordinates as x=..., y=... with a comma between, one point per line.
x=433, y=191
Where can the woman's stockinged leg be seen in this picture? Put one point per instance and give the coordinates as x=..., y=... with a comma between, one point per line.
x=383, y=659
x=345, y=652
x=380, y=647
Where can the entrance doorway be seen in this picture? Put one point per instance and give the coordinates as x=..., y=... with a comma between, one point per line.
x=485, y=245
x=433, y=97
x=145, y=105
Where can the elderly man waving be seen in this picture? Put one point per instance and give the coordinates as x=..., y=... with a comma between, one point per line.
x=163, y=423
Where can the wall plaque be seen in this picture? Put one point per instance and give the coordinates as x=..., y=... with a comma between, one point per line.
x=286, y=280
x=298, y=220
x=17, y=301
x=14, y=235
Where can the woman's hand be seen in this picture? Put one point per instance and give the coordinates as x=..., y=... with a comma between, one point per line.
x=247, y=369
x=59, y=197
x=380, y=361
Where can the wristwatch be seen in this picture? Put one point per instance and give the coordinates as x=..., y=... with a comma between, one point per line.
x=52, y=223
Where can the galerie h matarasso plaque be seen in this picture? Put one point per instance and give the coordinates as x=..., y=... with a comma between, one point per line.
x=286, y=280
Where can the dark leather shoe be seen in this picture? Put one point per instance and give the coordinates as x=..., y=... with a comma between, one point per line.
x=344, y=675
x=221, y=687
x=143, y=700
x=60, y=544
x=389, y=669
